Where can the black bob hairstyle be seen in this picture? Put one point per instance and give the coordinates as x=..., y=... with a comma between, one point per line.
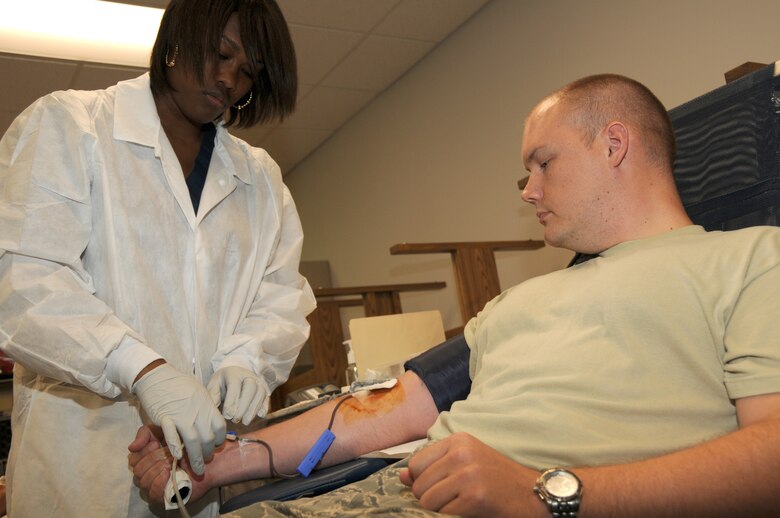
x=195, y=27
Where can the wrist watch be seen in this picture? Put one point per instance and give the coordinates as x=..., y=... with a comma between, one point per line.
x=561, y=490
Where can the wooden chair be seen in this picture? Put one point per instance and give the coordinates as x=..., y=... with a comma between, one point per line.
x=327, y=361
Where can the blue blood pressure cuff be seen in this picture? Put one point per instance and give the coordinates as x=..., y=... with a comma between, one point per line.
x=445, y=371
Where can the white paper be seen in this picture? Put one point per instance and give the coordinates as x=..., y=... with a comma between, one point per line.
x=400, y=451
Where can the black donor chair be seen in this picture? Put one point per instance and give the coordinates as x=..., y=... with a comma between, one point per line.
x=728, y=144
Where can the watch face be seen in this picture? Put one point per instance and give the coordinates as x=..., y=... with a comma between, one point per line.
x=562, y=484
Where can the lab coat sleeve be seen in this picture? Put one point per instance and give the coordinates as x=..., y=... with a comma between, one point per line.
x=50, y=319
x=271, y=335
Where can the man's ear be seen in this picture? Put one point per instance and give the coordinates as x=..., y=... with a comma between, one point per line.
x=617, y=136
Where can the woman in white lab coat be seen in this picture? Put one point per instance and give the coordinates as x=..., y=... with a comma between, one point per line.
x=148, y=260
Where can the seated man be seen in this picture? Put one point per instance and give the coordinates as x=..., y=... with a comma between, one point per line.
x=650, y=374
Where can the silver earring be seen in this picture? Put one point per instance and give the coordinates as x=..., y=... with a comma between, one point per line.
x=170, y=63
x=242, y=106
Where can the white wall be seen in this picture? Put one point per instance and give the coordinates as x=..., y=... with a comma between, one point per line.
x=436, y=157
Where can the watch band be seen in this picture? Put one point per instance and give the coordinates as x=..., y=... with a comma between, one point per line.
x=563, y=509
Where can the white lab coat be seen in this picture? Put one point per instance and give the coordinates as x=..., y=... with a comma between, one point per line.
x=101, y=253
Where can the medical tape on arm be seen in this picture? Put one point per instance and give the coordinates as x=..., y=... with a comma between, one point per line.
x=178, y=490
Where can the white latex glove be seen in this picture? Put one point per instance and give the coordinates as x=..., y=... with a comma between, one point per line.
x=242, y=393
x=182, y=407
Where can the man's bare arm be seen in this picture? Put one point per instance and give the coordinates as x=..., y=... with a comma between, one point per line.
x=362, y=424
x=734, y=475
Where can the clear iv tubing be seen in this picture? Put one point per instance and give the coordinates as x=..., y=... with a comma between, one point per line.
x=271, y=468
x=182, y=509
x=241, y=440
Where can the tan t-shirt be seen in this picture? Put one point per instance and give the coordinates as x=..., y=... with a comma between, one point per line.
x=633, y=354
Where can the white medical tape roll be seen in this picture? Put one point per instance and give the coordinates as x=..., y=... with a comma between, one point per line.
x=185, y=490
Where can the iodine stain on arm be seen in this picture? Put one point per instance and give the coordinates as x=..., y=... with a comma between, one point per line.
x=375, y=403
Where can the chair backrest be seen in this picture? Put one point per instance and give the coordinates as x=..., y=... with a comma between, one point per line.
x=728, y=153
x=383, y=343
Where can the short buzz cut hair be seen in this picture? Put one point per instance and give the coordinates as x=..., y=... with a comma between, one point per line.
x=191, y=30
x=597, y=100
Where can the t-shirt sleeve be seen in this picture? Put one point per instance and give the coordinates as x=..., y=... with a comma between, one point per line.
x=752, y=339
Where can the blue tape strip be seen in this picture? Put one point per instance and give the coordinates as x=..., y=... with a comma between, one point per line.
x=316, y=453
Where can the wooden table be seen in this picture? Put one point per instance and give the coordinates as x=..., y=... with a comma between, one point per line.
x=379, y=300
x=476, y=273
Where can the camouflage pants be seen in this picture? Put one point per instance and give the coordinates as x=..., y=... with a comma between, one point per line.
x=381, y=493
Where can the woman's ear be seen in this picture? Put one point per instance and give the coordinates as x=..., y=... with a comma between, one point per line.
x=617, y=136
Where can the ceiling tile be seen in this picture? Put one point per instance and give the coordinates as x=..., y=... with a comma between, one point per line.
x=430, y=20
x=328, y=108
x=352, y=15
x=319, y=50
x=23, y=79
x=254, y=135
x=303, y=91
x=6, y=118
x=289, y=146
x=157, y=4
x=95, y=77
x=377, y=63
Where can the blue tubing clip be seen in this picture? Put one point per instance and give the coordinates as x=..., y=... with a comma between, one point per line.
x=316, y=453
